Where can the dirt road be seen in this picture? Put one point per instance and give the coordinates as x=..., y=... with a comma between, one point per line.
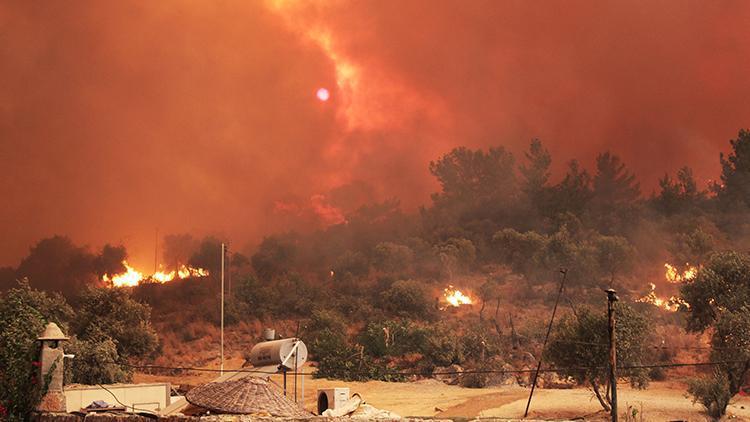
x=662, y=401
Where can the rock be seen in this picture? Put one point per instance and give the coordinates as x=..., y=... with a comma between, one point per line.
x=448, y=374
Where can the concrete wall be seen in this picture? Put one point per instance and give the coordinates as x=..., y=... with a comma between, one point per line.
x=151, y=397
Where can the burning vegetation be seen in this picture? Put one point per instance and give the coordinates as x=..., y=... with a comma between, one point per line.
x=368, y=291
x=455, y=297
x=132, y=277
x=672, y=276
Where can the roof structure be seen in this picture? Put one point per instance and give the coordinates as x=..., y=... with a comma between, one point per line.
x=249, y=395
x=52, y=332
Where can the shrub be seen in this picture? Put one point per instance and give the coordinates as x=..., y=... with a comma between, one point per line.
x=582, y=342
x=392, y=257
x=712, y=392
x=408, y=298
x=23, y=314
x=113, y=313
x=95, y=363
x=392, y=338
x=442, y=347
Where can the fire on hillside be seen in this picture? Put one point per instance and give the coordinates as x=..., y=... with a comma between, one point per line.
x=133, y=277
x=673, y=275
x=455, y=297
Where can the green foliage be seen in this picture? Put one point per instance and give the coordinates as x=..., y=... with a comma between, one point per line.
x=24, y=313
x=393, y=257
x=443, y=347
x=479, y=344
x=56, y=264
x=112, y=313
x=523, y=252
x=583, y=342
x=614, y=195
x=474, y=184
x=712, y=392
x=275, y=256
x=253, y=294
x=322, y=320
x=573, y=194
x=734, y=189
x=730, y=342
x=722, y=284
x=719, y=296
x=679, y=195
x=588, y=260
x=393, y=338
x=535, y=172
x=456, y=255
x=96, y=362
x=177, y=249
x=351, y=265
x=336, y=357
x=613, y=254
x=408, y=298
x=613, y=184
x=110, y=260
x=207, y=255
x=692, y=248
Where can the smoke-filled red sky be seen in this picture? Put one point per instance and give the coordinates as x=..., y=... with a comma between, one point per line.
x=118, y=118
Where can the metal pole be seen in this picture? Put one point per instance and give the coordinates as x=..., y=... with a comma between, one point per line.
x=303, y=388
x=564, y=273
x=222, y=309
x=156, y=251
x=611, y=299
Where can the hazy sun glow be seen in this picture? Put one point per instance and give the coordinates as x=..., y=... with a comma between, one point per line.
x=323, y=94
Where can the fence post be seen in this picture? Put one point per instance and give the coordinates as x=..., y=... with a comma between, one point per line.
x=611, y=299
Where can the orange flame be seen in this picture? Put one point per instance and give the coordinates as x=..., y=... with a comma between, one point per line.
x=672, y=304
x=673, y=275
x=455, y=297
x=132, y=277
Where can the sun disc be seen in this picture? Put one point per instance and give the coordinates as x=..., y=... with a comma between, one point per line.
x=323, y=94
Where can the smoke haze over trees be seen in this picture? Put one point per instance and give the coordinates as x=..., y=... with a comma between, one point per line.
x=208, y=122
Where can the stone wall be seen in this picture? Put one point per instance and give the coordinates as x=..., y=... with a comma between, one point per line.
x=65, y=417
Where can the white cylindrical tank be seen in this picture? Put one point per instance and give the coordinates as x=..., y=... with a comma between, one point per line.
x=279, y=352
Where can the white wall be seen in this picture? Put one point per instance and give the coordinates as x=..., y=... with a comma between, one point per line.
x=153, y=397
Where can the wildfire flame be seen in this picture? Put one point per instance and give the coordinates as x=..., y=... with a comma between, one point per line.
x=673, y=275
x=132, y=277
x=455, y=297
x=672, y=304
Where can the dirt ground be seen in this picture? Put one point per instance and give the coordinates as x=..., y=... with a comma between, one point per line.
x=662, y=401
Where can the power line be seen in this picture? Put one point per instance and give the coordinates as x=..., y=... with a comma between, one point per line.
x=478, y=371
x=123, y=404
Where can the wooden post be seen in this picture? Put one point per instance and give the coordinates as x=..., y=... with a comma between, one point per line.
x=611, y=299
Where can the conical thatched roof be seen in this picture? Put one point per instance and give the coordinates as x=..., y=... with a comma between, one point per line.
x=52, y=332
x=244, y=396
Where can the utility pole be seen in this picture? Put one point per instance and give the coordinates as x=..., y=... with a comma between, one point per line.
x=611, y=299
x=223, y=248
x=564, y=273
x=156, y=251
